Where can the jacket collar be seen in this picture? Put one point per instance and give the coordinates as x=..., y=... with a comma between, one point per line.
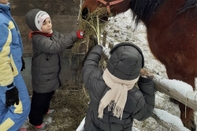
x=5, y=7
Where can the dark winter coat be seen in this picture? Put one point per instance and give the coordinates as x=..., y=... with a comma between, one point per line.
x=139, y=105
x=46, y=60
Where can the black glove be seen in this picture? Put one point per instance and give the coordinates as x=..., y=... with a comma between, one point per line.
x=145, y=79
x=12, y=96
x=23, y=64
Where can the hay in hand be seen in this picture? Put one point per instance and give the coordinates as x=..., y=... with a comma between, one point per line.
x=89, y=27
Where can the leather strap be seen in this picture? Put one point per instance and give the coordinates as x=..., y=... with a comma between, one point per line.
x=108, y=4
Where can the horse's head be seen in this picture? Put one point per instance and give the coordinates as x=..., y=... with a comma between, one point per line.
x=112, y=6
x=88, y=7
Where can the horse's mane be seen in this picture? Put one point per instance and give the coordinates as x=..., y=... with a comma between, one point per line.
x=142, y=9
x=189, y=4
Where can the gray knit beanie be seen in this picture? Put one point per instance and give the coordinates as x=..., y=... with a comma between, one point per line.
x=126, y=61
x=35, y=18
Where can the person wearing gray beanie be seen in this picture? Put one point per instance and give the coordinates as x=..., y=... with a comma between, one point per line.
x=120, y=93
x=31, y=19
x=48, y=46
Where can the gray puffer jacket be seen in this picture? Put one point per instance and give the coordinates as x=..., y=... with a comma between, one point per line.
x=139, y=105
x=46, y=60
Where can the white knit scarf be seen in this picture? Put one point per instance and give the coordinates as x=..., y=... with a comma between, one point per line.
x=116, y=97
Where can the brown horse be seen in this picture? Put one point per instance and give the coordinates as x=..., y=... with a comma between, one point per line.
x=171, y=33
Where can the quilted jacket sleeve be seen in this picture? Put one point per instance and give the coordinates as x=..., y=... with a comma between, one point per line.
x=90, y=67
x=54, y=44
x=146, y=103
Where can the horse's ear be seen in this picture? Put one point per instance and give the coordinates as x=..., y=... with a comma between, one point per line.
x=128, y=44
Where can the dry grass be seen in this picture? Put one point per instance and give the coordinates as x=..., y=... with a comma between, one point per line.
x=72, y=107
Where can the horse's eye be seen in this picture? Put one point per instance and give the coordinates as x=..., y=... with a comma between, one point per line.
x=85, y=13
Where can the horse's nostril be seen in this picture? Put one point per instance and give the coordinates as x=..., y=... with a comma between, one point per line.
x=84, y=14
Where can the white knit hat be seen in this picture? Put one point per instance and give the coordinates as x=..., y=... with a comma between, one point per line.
x=39, y=19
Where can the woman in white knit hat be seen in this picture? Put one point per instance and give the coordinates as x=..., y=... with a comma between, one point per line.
x=115, y=99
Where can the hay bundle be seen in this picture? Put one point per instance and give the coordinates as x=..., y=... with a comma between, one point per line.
x=90, y=28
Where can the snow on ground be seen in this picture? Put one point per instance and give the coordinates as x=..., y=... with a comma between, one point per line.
x=171, y=119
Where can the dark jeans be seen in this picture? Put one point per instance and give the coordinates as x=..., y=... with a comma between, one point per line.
x=39, y=106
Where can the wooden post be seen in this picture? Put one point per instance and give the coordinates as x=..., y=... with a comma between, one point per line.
x=173, y=89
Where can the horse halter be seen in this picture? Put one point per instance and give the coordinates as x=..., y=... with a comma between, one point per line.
x=108, y=4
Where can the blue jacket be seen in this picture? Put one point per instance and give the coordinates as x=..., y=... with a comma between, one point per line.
x=10, y=47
